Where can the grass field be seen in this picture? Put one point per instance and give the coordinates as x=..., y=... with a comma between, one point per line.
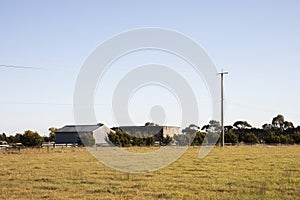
x=244, y=172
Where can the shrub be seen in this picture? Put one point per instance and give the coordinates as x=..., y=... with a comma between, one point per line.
x=250, y=138
x=31, y=139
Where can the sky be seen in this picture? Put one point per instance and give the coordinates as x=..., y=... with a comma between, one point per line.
x=257, y=42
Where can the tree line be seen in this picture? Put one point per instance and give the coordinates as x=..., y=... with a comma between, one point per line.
x=279, y=131
x=29, y=138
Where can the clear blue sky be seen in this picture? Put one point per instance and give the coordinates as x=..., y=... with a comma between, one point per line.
x=256, y=41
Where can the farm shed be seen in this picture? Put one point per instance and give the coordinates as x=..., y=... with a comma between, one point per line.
x=148, y=131
x=70, y=134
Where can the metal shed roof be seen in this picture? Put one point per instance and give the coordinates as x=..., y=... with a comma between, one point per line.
x=77, y=128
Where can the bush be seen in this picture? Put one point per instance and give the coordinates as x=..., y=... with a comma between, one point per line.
x=296, y=137
x=250, y=138
x=123, y=139
x=286, y=139
x=199, y=138
x=272, y=139
x=230, y=137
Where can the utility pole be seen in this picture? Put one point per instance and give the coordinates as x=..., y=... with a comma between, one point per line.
x=222, y=107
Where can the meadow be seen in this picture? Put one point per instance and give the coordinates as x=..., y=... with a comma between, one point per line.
x=244, y=172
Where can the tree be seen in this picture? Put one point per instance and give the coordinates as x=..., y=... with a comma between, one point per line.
x=213, y=130
x=191, y=130
x=190, y=133
x=46, y=139
x=52, y=134
x=286, y=139
x=280, y=125
x=267, y=127
x=228, y=128
x=296, y=137
x=113, y=137
x=213, y=126
x=278, y=121
x=150, y=141
x=180, y=139
x=3, y=137
x=124, y=139
x=287, y=125
x=150, y=124
x=199, y=138
x=205, y=128
x=194, y=126
x=138, y=139
x=230, y=137
x=272, y=139
x=14, y=139
x=31, y=139
x=242, y=125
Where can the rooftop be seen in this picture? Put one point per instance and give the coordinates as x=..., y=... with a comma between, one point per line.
x=77, y=128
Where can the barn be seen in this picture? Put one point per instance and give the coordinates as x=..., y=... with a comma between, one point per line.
x=69, y=134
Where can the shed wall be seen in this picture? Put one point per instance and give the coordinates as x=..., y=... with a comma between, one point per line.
x=66, y=138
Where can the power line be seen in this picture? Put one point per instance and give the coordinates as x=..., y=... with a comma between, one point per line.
x=48, y=104
x=22, y=67
x=36, y=68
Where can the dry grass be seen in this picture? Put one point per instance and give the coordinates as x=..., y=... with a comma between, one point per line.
x=229, y=173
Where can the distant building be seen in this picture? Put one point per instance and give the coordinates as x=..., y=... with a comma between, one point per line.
x=148, y=131
x=70, y=134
